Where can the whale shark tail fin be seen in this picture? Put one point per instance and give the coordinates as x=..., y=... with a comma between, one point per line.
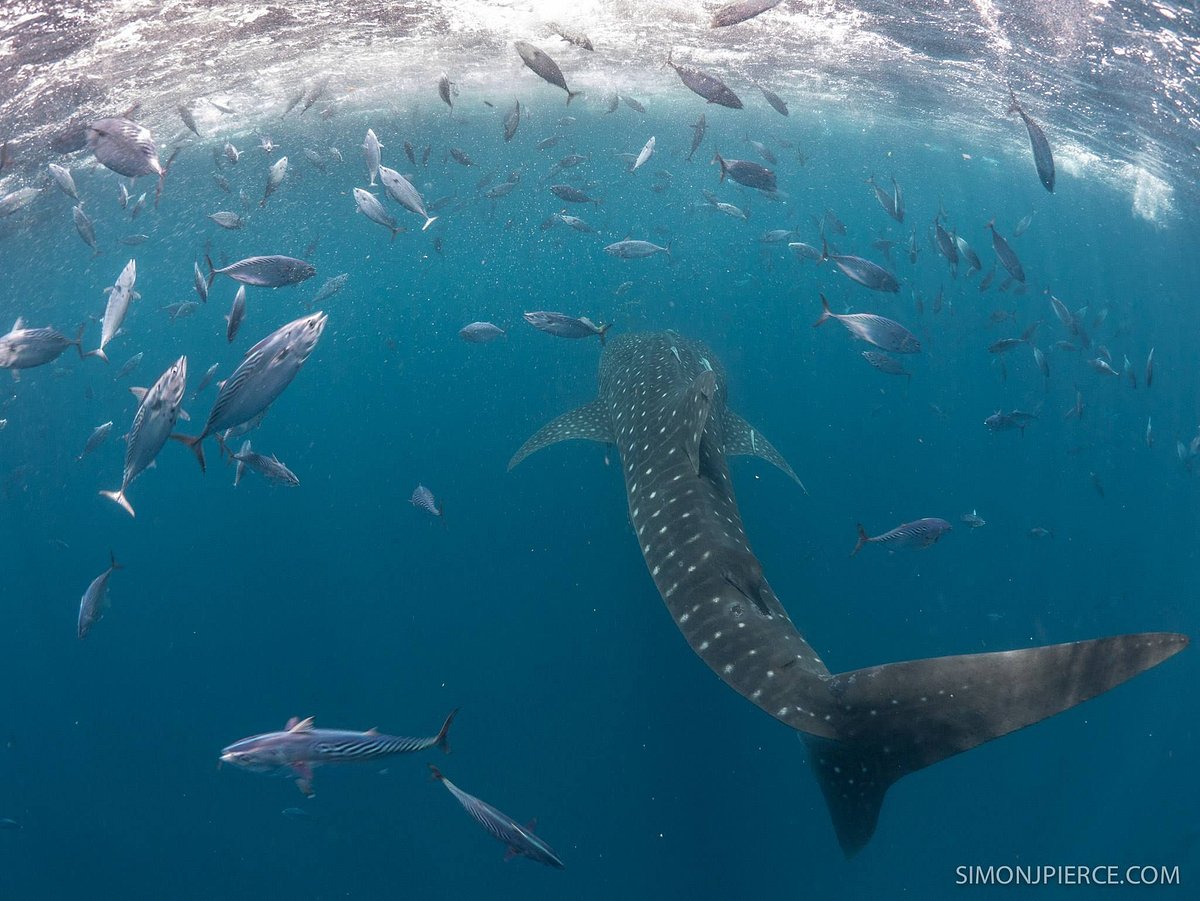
x=898, y=718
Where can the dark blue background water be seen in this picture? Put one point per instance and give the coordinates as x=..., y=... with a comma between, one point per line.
x=532, y=609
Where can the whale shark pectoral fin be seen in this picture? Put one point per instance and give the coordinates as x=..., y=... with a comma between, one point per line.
x=590, y=422
x=901, y=717
x=697, y=404
x=743, y=439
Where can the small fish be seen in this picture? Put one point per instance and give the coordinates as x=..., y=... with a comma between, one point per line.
x=623, y=288
x=632, y=103
x=576, y=223
x=62, y=177
x=275, y=177
x=698, y=131
x=206, y=379
x=1039, y=532
x=401, y=190
x=138, y=206
x=122, y=196
x=565, y=326
x=1005, y=254
x=804, y=251
x=1077, y=410
x=520, y=841
x=422, y=499
x=120, y=296
x=920, y=533
x=868, y=274
x=571, y=195
x=300, y=748
x=94, y=603
x=134, y=240
x=1149, y=433
x=1097, y=484
x=772, y=98
x=945, y=244
x=294, y=812
x=231, y=221
x=776, y=236
x=95, y=439
x=237, y=313
x=372, y=155
x=1023, y=226
x=1042, y=157
x=1149, y=376
x=232, y=153
x=967, y=252
x=368, y=204
x=199, y=282
x=6, y=822
x=512, y=120
x=547, y=143
x=573, y=37
x=221, y=182
x=270, y=468
x=265, y=271
x=461, y=157
x=445, y=86
x=1040, y=359
x=266, y=145
x=1013, y=419
x=157, y=412
x=544, y=66
x=635, y=250
x=129, y=366
x=746, y=172
x=481, y=332
x=84, y=226
x=329, y=288
x=886, y=199
x=973, y=520
x=884, y=363
x=763, y=150
x=1102, y=366
x=25, y=348
x=181, y=310
x=646, y=152
x=711, y=88
x=740, y=11
x=315, y=159
x=884, y=333
x=17, y=200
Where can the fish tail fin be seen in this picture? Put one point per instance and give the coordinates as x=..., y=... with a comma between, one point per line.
x=826, y=313
x=717, y=158
x=112, y=560
x=395, y=231
x=435, y=773
x=212, y=270
x=194, y=444
x=1013, y=105
x=78, y=342
x=863, y=538
x=429, y=220
x=906, y=716
x=603, y=329
x=119, y=497
x=824, y=247
x=442, y=741
x=98, y=352
x=571, y=95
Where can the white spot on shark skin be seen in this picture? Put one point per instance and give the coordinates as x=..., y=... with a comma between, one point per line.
x=684, y=618
x=728, y=668
x=704, y=645
x=756, y=694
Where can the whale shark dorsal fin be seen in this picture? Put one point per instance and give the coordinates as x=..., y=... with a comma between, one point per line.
x=698, y=402
x=589, y=422
x=300, y=725
x=743, y=439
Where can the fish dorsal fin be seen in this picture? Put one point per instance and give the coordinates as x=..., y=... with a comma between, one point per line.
x=372, y=731
x=590, y=422
x=742, y=439
x=531, y=826
x=19, y=324
x=698, y=404
x=300, y=725
x=509, y=853
x=139, y=393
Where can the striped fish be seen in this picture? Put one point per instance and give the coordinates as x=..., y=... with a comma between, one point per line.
x=921, y=533
x=300, y=747
x=423, y=499
x=520, y=840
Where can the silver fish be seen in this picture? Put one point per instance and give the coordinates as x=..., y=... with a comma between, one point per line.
x=920, y=533
x=565, y=326
x=237, y=313
x=480, y=332
x=740, y=11
x=520, y=841
x=270, y=468
x=576, y=223
x=189, y=118
x=228, y=220
x=265, y=272
x=886, y=200
x=368, y=204
x=99, y=434
x=973, y=519
x=571, y=195
x=232, y=153
x=153, y=423
x=645, y=154
x=25, y=348
x=275, y=178
x=746, y=172
x=125, y=147
x=512, y=121
x=372, y=154
x=120, y=296
x=1042, y=157
x=698, y=131
x=1149, y=376
x=62, y=178
x=122, y=196
x=300, y=748
x=401, y=190
x=445, y=86
x=17, y=200
x=199, y=282
x=94, y=603
x=129, y=365
x=206, y=379
x=84, y=226
x=635, y=250
x=573, y=37
x=868, y=274
x=774, y=99
x=330, y=287
x=1023, y=226
x=1006, y=422
x=138, y=206
x=884, y=363
x=134, y=240
x=544, y=66
x=711, y=88
x=804, y=251
x=632, y=103
x=882, y=332
x=265, y=371
x=1005, y=254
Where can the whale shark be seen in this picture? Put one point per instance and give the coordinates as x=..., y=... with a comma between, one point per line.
x=663, y=404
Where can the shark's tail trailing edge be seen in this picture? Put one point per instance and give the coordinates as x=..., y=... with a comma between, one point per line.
x=898, y=718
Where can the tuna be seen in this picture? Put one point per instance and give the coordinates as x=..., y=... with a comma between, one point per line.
x=711, y=88
x=371, y=154
x=265, y=272
x=401, y=190
x=270, y=468
x=237, y=313
x=866, y=273
x=746, y=172
x=921, y=533
x=565, y=326
x=1005, y=254
x=635, y=250
x=740, y=11
x=1043, y=159
x=368, y=204
x=544, y=66
x=481, y=332
x=94, y=603
x=884, y=333
x=25, y=348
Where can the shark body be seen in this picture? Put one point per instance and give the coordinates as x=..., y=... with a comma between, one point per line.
x=662, y=403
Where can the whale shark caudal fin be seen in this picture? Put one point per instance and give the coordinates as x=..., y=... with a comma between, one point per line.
x=901, y=717
x=742, y=439
x=590, y=422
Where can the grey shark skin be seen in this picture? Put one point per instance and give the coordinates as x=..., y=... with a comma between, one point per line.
x=663, y=404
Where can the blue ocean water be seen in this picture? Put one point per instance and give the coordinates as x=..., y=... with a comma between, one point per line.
x=530, y=607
